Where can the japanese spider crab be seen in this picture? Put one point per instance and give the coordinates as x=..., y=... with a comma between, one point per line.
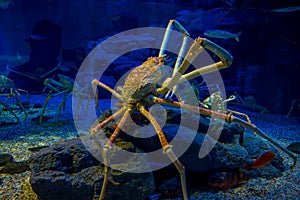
x=216, y=101
x=140, y=89
x=64, y=85
x=8, y=84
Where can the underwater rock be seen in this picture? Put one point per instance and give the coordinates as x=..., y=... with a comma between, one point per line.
x=36, y=149
x=15, y=167
x=38, y=117
x=294, y=147
x=227, y=153
x=232, y=151
x=68, y=171
x=69, y=157
x=230, y=132
x=9, y=166
x=5, y=158
x=255, y=146
x=37, y=105
x=171, y=187
x=51, y=185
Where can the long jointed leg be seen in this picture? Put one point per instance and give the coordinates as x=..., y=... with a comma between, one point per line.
x=4, y=106
x=44, y=107
x=18, y=103
x=103, y=123
x=62, y=103
x=239, y=113
x=16, y=96
x=196, y=48
x=181, y=53
x=22, y=107
x=107, y=146
x=193, y=52
x=227, y=118
x=224, y=56
x=167, y=149
x=168, y=32
x=50, y=96
x=256, y=130
x=96, y=83
x=95, y=129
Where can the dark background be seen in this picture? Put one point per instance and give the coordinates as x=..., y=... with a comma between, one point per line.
x=266, y=60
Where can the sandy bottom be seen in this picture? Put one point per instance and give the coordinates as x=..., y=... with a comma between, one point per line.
x=17, y=138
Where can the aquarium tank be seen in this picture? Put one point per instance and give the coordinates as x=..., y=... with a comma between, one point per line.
x=148, y=100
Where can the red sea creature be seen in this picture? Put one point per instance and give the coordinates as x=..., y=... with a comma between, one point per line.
x=262, y=161
x=226, y=179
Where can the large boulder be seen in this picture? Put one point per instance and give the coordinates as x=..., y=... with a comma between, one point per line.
x=223, y=155
x=68, y=171
x=231, y=149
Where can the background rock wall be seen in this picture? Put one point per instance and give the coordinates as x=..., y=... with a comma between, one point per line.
x=266, y=60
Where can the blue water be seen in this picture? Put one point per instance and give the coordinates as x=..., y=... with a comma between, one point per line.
x=40, y=40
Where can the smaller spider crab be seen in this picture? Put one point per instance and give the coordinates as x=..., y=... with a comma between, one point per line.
x=62, y=86
x=141, y=90
x=8, y=90
x=216, y=102
x=225, y=179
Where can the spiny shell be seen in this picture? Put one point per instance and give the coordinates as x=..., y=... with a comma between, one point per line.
x=142, y=80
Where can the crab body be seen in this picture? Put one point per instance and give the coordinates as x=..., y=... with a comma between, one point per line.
x=216, y=102
x=143, y=80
